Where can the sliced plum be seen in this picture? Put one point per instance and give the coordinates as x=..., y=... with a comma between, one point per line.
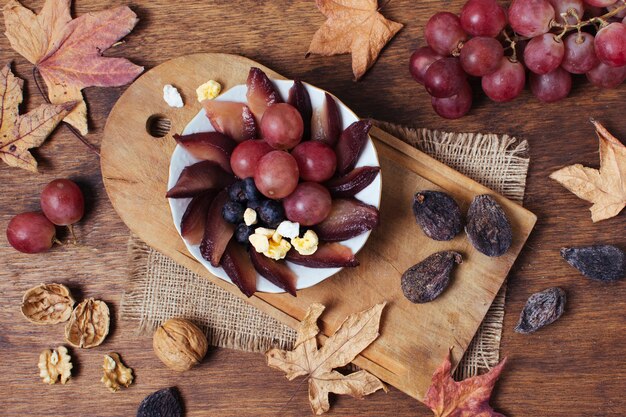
x=275, y=272
x=261, y=93
x=350, y=145
x=217, y=231
x=348, y=218
x=234, y=120
x=193, y=223
x=327, y=255
x=353, y=182
x=326, y=122
x=199, y=177
x=299, y=98
x=239, y=269
x=209, y=146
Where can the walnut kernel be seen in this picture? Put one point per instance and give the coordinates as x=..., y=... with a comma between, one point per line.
x=116, y=374
x=47, y=304
x=179, y=344
x=89, y=324
x=55, y=364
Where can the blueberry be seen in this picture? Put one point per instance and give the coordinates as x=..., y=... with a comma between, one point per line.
x=236, y=192
x=233, y=212
x=250, y=190
x=271, y=213
x=243, y=232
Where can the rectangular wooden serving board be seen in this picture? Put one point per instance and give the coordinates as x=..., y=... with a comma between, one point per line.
x=414, y=338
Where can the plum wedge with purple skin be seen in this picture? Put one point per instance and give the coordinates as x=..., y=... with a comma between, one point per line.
x=300, y=99
x=350, y=145
x=353, y=182
x=217, y=231
x=261, y=93
x=209, y=146
x=326, y=122
x=193, y=223
x=199, y=177
x=327, y=255
x=239, y=269
x=348, y=218
x=234, y=120
x=275, y=272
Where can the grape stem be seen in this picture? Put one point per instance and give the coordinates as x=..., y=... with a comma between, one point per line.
x=601, y=21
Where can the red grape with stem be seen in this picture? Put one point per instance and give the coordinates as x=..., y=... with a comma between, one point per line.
x=580, y=56
x=544, y=53
x=531, y=17
x=63, y=203
x=564, y=6
x=31, y=232
x=443, y=33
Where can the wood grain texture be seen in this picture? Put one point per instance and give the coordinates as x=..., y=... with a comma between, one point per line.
x=574, y=368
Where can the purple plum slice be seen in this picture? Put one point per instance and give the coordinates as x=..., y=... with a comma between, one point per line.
x=239, y=269
x=326, y=122
x=348, y=218
x=217, y=231
x=261, y=93
x=299, y=98
x=199, y=177
x=353, y=182
x=327, y=255
x=209, y=146
x=275, y=272
x=350, y=145
x=194, y=220
x=234, y=120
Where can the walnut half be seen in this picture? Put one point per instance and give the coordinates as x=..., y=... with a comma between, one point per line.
x=54, y=364
x=47, y=304
x=89, y=324
x=116, y=374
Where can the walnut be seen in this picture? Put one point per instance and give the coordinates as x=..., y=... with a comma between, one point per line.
x=54, y=364
x=179, y=344
x=47, y=304
x=116, y=374
x=89, y=324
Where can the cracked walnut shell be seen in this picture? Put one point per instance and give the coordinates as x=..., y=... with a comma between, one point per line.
x=47, y=304
x=179, y=344
x=55, y=364
x=116, y=375
x=88, y=325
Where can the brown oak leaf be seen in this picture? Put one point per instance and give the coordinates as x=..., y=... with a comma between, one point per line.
x=467, y=398
x=19, y=133
x=604, y=187
x=354, y=335
x=356, y=27
x=68, y=52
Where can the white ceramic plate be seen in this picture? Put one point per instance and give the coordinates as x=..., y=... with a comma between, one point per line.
x=307, y=277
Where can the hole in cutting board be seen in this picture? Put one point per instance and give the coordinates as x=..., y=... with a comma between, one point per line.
x=158, y=126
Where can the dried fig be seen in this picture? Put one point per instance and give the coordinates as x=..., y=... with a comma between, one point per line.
x=179, y=344
x=600, y=262
x=116, y=374
x=488, y=228
x=47, y=304
x=54, y=365
x=163, y=403
x=424, y=281
x=541, y=309
x=437, y=214
x=88, y=325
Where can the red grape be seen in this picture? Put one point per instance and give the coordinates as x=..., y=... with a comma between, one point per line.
x=481, y=56
x=621, y=13
x=506, y=83
x=62, y=202
x=605, y=76
x=276, y=174
x=531, y=17
x=580, y=56
x=544, y=53
x=600, y=3
x=309, y=204
x=31, y=232
x=456, y=106
x=552, y=86
x=483, y=18
x=420, y=61
x=444, y=78
x=316, y=161
x=563, y=6
x=443, y=32
x=282, y=126
x=246, y=155
x=610, y=44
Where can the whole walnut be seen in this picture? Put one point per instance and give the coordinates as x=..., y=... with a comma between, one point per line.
x=179, y=344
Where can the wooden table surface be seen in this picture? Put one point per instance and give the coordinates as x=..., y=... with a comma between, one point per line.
x=575, y=367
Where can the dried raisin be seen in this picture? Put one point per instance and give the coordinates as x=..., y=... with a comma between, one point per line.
x=599, y=262
x=424, y=281
x=437, y=214
x=541, y=309
x=488, y=228
x=162, y=403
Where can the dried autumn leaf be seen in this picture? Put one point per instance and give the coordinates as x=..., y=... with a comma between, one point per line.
x=467, y=398
x=18, y=133
x=354, y=335
x=68, y=53
x=604, y=187
x=355, y=27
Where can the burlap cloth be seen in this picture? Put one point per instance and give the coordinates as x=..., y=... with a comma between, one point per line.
x=159, y=289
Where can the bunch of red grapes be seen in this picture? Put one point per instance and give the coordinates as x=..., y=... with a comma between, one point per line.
x=553, y=39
